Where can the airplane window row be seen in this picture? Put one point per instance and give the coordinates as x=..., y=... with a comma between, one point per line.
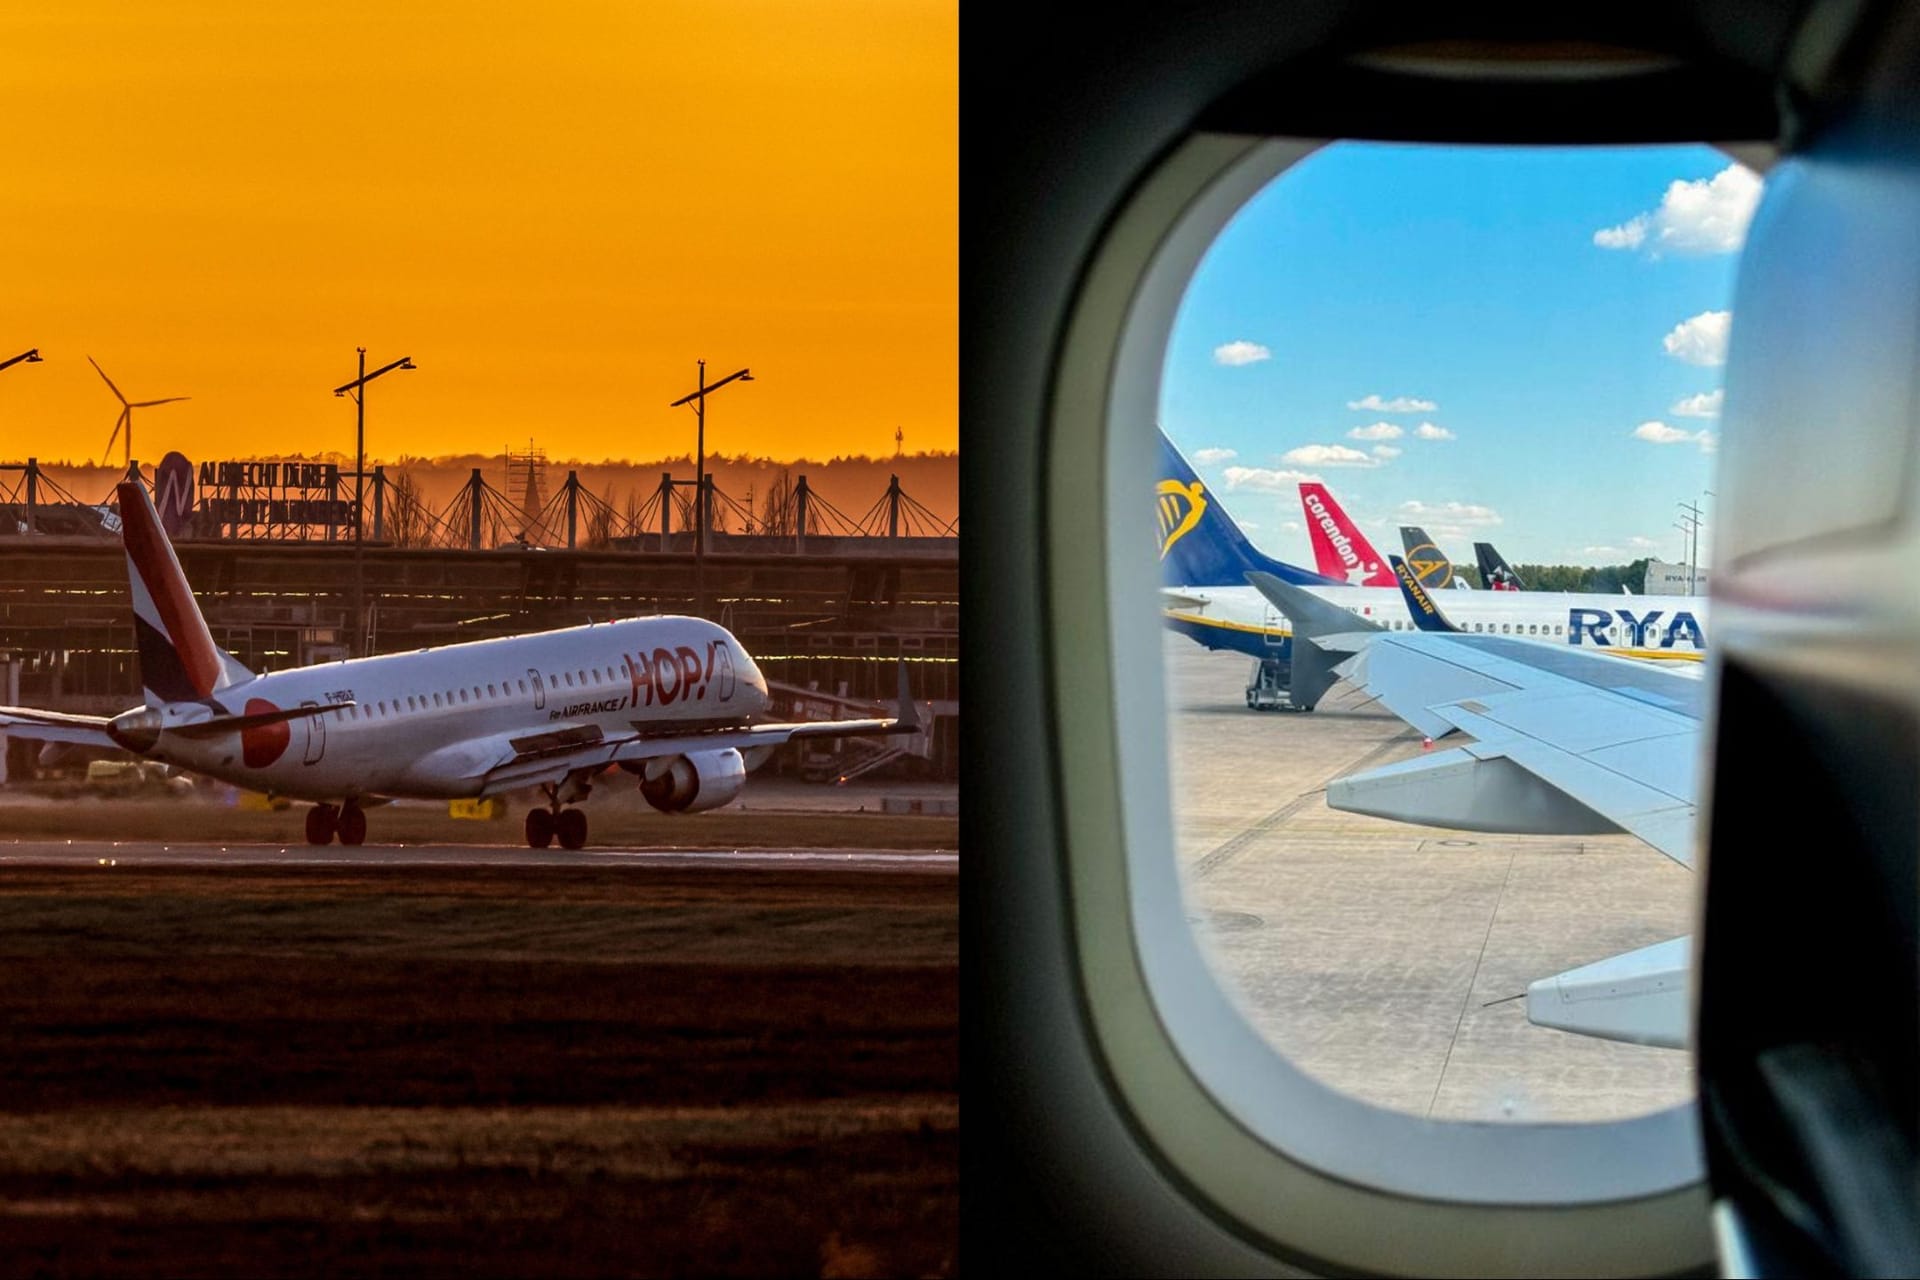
x=381, y=709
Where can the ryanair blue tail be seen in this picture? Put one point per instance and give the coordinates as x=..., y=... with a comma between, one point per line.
x=1424, y=610
x=1200, y=546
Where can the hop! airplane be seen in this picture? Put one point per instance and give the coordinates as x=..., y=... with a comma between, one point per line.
x=670, y=699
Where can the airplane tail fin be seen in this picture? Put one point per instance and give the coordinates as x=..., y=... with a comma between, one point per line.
x=1200, y=545
x=1494, y=569
x=1424, y=610
x=179, y=661
x=1428, y=562
x=1340, y=550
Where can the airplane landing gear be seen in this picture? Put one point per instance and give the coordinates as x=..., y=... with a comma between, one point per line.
x=569, y=826
x=323, y=820
x=351, y=824
x=539, y=828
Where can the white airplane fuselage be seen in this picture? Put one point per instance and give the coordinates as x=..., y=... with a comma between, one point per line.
x=1647, y=627
x=430, y=723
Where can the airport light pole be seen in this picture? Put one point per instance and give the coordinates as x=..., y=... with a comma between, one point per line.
x=30, y=357
x=698, y=399
x=358, y=389
x=1691, y=527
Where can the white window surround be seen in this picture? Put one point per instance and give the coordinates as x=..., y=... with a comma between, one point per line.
x=1312, y=1170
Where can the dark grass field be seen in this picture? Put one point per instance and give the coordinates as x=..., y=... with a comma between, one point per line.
x=478, y=1071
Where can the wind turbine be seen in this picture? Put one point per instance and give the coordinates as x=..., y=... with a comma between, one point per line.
x=126, y=412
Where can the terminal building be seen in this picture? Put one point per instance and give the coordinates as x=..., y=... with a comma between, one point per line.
x=829, y=618
x=1664, y=579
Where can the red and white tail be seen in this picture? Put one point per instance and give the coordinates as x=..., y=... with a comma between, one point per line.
x=1340, y=550
x=178, y=660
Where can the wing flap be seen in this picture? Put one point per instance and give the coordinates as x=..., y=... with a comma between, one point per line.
x=1638, y=996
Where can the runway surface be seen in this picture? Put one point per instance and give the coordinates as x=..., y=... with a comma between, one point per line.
x=148, y=853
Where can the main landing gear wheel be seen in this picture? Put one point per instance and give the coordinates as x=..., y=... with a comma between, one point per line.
x=322, y=820
x=352, y=824
x=539, y=828
x=572, y=828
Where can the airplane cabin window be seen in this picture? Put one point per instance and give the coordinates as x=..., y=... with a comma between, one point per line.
x=1388, y=953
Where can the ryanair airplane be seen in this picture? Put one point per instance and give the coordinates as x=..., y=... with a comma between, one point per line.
x=1205, y=560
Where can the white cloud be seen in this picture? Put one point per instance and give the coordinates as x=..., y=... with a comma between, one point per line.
x=1378, y=431
x=1328, y=455
x=1630, y=234
x=1291, y=526
x=1398, y=404
x=1387, y=451
x=1704, y=405
x=1460, y=515
x=1660, y=433
x=1241, y=352
x=1706, y=215
x=1263, y=480
x=1640, y=542
x=1428, y=431
x=1600, y=551
x=1701, y=339
x=1211, y=457
x=1249, y=524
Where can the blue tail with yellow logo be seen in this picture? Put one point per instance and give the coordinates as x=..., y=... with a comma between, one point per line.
x=1423, y=608
x=1200, y=545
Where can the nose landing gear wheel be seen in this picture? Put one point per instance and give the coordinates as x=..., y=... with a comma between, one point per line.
x=539, y=828
x=352, y=825
x=321, y=821
x=572, y=824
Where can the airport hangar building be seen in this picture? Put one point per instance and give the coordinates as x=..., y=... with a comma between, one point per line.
x=829, y=619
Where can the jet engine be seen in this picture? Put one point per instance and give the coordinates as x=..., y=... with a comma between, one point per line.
x=694, y=782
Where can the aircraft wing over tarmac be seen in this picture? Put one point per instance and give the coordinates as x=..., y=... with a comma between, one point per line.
x=1563, y=742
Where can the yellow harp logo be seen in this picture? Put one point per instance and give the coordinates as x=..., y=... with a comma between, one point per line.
x=1180, y=507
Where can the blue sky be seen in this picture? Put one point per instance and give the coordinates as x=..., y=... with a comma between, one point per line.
x=1562, y=310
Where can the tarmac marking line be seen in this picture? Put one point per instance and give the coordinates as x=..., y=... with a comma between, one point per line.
x=1234, y=845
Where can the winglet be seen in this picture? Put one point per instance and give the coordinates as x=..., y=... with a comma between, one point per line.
x=1426, y=614
x=1311, y=616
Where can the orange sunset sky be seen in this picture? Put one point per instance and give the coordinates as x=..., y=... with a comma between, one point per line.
x=554, y=209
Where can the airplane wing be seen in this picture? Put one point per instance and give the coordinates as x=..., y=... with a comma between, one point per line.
x=1562, y=742
x=55, y=726
x=1570, y=733
x=551, y=757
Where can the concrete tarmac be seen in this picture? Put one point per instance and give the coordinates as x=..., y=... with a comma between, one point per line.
x=1384, y=958
x=151, y=853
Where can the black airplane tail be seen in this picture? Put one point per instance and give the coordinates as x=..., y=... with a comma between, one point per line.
x=1494, y=569
x=1428, y=562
